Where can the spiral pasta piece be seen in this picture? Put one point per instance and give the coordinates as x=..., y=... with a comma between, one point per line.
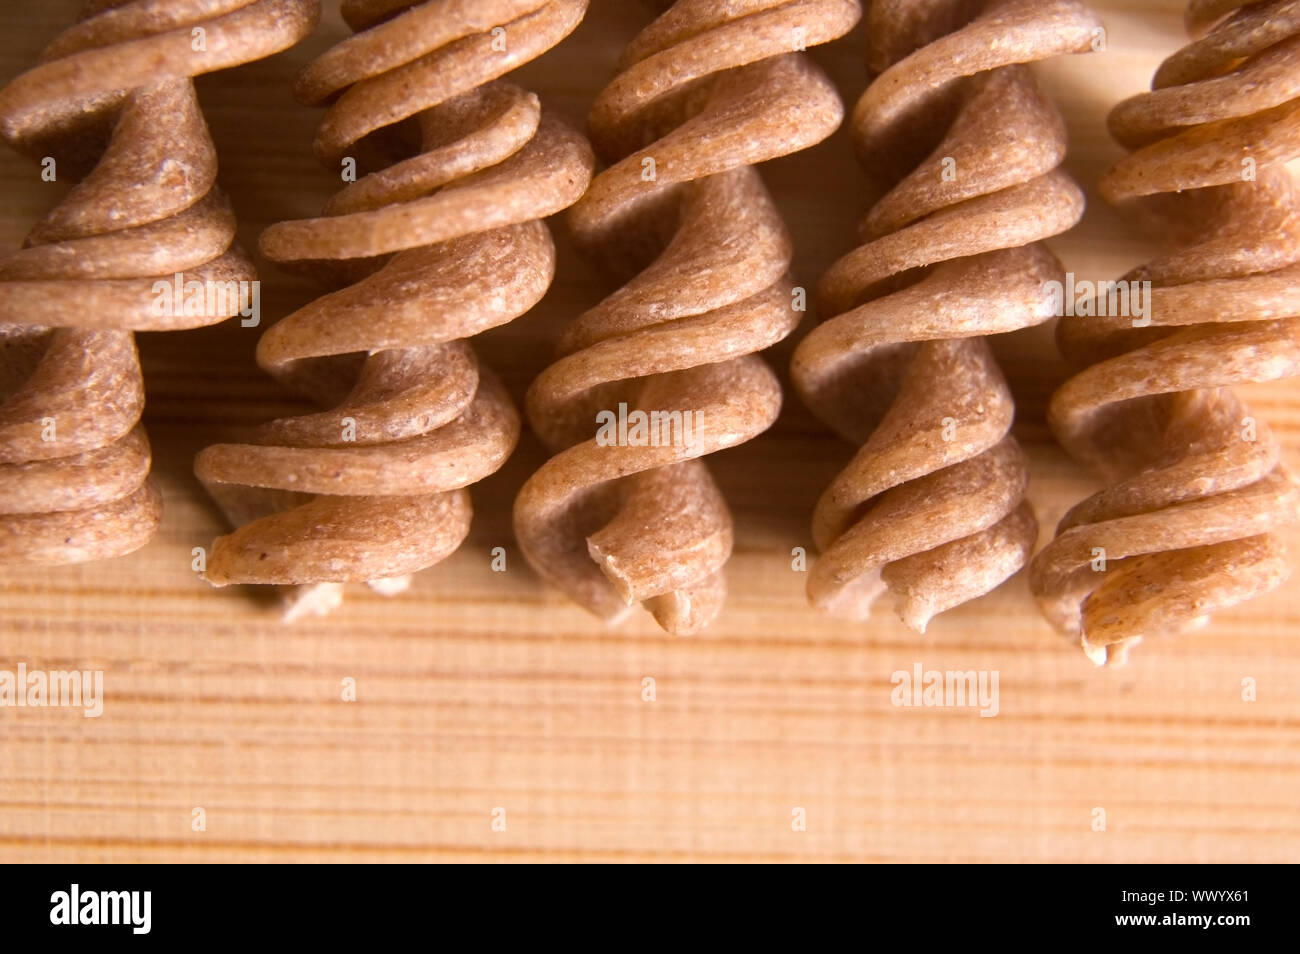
x=1195, y=487
x=112, y=104
x=705, y=92
x=932, y=506
x=440, y=241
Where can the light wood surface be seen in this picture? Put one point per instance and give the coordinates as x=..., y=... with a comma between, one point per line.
x=479, y=690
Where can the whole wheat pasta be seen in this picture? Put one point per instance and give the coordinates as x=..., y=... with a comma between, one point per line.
x=1194, y=485
x=932, y=507
x=442, y=240
x=112, y=103
x=666, y=364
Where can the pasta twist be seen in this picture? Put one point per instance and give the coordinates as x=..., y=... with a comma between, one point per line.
x=1194, y=487
x=702, y=94
x=932, y=506
x=112, y=103
x=442, y=240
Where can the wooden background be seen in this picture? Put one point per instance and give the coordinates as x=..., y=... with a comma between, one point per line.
x=481, y=690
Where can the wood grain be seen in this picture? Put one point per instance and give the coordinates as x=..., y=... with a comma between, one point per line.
x=480, y=690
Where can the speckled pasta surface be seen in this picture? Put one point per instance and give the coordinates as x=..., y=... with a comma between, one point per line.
x=1194, y=485
x=967, y=148
x=439, y=237
x=112, y=104
x=663, y=372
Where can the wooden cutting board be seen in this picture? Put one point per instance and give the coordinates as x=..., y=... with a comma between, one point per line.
x=484, y=695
